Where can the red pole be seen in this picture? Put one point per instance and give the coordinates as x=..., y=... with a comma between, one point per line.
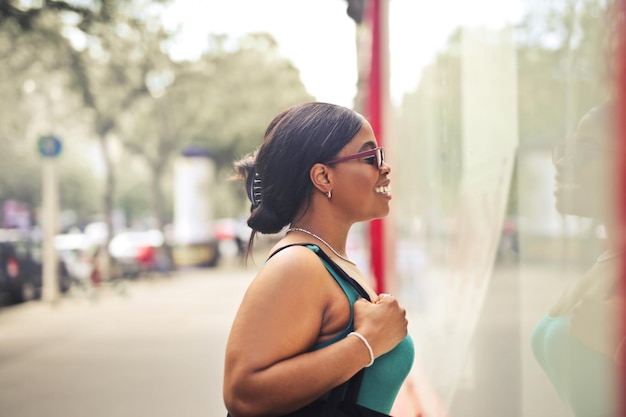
x=375, y=113
x=621, y=81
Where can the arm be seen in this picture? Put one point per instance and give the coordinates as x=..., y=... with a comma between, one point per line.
x=289, y=305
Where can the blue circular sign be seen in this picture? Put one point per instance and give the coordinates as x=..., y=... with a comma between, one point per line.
x=49, y=146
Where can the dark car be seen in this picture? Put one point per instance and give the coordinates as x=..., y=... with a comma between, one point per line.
x=21, y=269
x=10, y=280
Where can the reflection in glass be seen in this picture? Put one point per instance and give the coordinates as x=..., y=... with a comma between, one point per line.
x=576, y=341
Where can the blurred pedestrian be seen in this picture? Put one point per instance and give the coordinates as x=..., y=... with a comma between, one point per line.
x=96, y=262
x=146, y=258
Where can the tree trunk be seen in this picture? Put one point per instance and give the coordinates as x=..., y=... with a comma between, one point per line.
x=156, y=195
x=107, y=207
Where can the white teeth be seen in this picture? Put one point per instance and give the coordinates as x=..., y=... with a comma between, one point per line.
x=386, y=190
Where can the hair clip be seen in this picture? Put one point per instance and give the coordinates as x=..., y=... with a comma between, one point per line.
x=255, y=189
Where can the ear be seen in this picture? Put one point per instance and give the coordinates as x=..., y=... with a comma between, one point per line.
x=321, y=177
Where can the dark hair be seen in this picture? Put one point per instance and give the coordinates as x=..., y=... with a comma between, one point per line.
x=294, y=141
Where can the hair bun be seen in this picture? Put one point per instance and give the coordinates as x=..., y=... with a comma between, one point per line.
x=266, y=220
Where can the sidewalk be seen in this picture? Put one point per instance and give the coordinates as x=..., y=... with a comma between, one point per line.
x=155, y=350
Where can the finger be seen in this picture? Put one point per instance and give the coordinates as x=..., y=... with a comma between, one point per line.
x=382, y=296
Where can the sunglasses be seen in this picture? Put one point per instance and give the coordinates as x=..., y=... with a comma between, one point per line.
x=374, y=157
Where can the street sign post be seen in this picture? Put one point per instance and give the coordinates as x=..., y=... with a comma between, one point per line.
x=50, y=148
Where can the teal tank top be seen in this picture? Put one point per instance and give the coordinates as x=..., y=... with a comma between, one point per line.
x=584, y=379
x=381, y=381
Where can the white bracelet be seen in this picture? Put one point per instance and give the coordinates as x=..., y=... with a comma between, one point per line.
x=367, y=345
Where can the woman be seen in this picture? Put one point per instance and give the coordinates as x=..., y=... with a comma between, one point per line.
x=578, y=343
x=301, y=330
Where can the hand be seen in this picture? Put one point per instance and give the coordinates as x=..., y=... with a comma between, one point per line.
x=380, y=297
x=382, y=322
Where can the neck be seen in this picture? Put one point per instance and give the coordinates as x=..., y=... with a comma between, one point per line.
x=321, y=217
x=331, y=235
x=315, y=235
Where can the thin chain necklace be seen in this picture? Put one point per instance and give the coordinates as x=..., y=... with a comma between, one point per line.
x=297, y=229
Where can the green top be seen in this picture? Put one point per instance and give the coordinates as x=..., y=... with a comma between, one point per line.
x=381, y=381
x=585, y=380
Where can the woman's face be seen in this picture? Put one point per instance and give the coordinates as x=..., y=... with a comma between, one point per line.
x=361, y=190
x=584, y=170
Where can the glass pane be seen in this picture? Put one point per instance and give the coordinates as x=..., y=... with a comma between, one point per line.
x=507, y=260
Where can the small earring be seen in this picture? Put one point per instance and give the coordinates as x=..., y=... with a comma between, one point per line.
x=328, y=194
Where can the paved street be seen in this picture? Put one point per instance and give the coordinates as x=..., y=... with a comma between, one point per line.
x=155, y=350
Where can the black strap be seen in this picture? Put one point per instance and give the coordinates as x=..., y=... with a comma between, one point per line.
x=353, y=385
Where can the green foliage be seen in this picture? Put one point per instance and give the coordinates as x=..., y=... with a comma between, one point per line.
x=85, y=14
x=564, y=59
x=240, y=91
x=222, y=102
x=565, y=62
x=80, y=188
x=35, y=102
x=97, y=75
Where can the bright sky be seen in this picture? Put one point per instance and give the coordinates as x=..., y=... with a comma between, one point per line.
x=316, y=35
x=319, y=37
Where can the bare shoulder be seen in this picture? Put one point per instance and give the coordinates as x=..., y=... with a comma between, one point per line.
x=293, y=266
x=288, y=296
x=290, y=293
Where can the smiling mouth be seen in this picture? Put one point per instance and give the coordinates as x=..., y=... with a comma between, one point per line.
x=384, y=190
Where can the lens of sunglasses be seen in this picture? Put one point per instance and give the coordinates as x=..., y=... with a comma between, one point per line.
x=376, y=160
x=372, y=160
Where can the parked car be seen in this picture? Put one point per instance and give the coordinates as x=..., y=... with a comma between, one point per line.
x=136, y=251
x=10, y=284
x=32, y=283
x=21, y=269
x=232, y=236
x=75, y=251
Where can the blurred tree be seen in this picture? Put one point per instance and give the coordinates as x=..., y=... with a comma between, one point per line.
x=27, y=14
x=17, y=156
x=563, y=59
x=436, y=131
x=98, y=48
x=112, y=75
x=223, y=102
x=86, y=14
x=133, y=193
x=107, y=67
x=80, y=188
x=246, y=83
x=35, y=102
x=250, y=84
